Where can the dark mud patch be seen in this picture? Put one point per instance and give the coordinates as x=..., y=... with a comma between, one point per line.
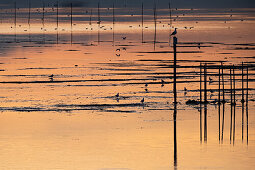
x=72, y=50
x=20, y=58
x=38, y=68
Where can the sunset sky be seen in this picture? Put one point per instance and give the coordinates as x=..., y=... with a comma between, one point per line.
x=148, y=3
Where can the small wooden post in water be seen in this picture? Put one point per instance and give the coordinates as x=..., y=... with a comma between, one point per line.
x=219, y=88
x=223, y=86
x=15, y=19
x=247, y=84
x=142, y=22
x=205, y=83
x=234, y=85
x=71, y=22
x=113, y=22
x=155, y=25
x=247, y=120
x=57, y=21
x=200, y=83
x=231, y=104
x=175, y=41
x=98, y=22
x=242, y=86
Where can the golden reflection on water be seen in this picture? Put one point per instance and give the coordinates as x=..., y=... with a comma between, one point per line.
x=75, y=121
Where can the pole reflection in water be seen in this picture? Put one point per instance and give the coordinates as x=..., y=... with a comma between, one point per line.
x=223, y=117
x=247, y=99
x=205, y=123
x=200, y=110
x=175, y=137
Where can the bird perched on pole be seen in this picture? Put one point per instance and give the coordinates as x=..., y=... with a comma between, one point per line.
x=175, y=32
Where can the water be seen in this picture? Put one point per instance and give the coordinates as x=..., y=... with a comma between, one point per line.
x=74, y=120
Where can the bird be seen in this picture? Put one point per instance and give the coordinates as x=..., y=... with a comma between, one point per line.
x=118, y=49
x=210, y=79
x=199, y=45
x=185, y=89
x=146, y=85
x=51, y=76
x=162, y=83
x=175, y=32
x=117, y=95
x=124, y=38
x=142, y=101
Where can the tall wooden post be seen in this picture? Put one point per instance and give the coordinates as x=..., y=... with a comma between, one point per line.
x=223, y=86
x=205, y=83
x=175, y=41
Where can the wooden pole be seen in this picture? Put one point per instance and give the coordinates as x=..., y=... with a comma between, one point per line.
x=29, y=12
x=175, y=41
x=142, y=22
x=205, y=83
x=223, y=86
x=219, y=87
x=71, y=22
x=231, y=90
x=231, y=104
x=247, y=84
x=15, y=20
x=234, y=85
x=200, y=83
x=247, y=99
x=99, y=21
x=113, y=22
x=57, y=20
x=155, y=25
x=242, y=85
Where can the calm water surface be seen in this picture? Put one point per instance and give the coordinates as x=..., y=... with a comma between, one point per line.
x=73, y=120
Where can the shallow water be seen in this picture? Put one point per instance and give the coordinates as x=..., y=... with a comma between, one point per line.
x=75, y=121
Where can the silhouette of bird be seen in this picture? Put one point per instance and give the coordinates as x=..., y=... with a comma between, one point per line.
x=117, y=55
x=51, y=76
x=210, y=79
x=142, y=101
x=118, y=49
x=124, y=38
x=117, y=95
x=175, y=32
x=146, y=85
x=185, y=89
x=162, y=83
x=199, y=45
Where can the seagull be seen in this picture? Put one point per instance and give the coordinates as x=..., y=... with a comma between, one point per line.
x=142, y=100
x=175, y=32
